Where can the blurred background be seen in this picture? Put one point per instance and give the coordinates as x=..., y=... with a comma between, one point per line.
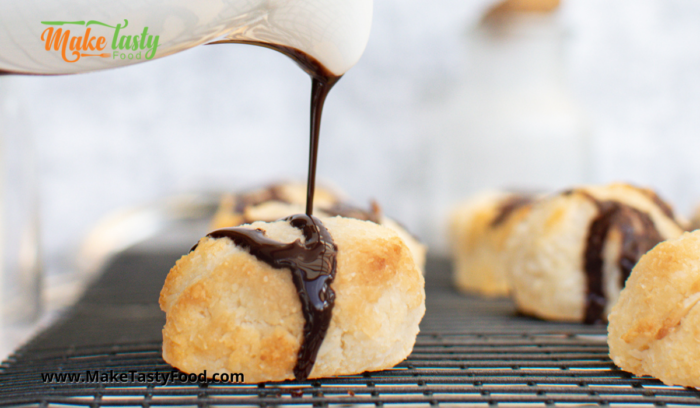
x=450, y=97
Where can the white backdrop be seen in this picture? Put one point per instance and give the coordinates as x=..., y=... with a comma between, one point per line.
x=225, y=116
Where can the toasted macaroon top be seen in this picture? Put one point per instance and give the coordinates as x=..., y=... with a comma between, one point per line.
x=227, y=311
x=663, y=287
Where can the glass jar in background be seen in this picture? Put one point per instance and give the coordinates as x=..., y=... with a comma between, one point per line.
x=20, y=266
x=509, y=121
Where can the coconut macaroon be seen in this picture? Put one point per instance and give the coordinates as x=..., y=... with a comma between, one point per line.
x=479, y=229
x=229, y=311
x=280, y=200
x=655, y=326
x=571, y=255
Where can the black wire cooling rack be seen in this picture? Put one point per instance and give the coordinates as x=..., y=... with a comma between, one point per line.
x=471, y=352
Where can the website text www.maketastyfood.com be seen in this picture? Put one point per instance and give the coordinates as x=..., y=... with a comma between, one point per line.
x=133, y=376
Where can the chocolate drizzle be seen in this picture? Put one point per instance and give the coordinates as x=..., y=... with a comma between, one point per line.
x=313, y=265
x=321, y=85
x=275, y=193
x=350, y=211
x=663, y=205
x=509, y=206
x=638, y=235
x=259, y=196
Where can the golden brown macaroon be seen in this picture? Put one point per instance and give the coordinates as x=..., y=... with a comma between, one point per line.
x=279, y=200
x=479, y=229
x=655, y=326
x=569, y=258
x=228, y=312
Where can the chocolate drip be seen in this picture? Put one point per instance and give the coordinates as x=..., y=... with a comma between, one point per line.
x=593, y=262
x=274, y=193
x=322, y=80
x=638, y=235
x=508, y=207
x=319, y=90
x=351, y=211
x=259, y=196
x=313, y=265
x=663, y=205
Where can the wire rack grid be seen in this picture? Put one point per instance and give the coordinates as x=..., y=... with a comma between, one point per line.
x=471, y=352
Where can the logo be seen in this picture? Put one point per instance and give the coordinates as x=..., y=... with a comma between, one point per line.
x=74, y=46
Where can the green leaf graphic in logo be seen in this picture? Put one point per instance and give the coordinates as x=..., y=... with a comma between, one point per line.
x=63, y=22
x=101, y=23
x=60, y=23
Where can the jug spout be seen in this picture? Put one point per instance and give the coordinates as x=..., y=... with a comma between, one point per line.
x=334, y=32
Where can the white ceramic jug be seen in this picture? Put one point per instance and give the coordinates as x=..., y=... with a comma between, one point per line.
x=73, y=36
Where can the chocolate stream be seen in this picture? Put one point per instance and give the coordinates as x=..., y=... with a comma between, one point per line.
x=322, y=81
x=313, y=264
